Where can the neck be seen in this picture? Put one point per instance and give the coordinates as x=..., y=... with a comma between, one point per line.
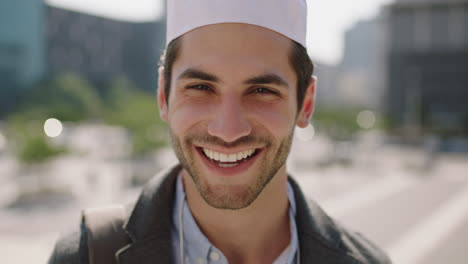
x=257, y=233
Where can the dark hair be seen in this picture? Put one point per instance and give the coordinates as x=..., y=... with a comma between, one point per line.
x=298, y=58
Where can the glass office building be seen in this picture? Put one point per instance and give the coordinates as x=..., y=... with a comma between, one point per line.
x=428, y=65
x=22, y=47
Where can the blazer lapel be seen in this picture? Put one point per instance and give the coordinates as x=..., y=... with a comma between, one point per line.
x=149, y=225
x=319, y=239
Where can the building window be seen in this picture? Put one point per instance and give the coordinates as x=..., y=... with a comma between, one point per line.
x=440, y=28
x=465, y=15
x=402, y=28
x=422, y=29
x=456, y=23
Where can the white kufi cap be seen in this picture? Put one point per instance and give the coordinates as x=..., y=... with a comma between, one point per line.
x=287, y=17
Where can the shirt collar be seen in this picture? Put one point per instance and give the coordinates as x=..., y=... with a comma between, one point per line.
x=197, y=244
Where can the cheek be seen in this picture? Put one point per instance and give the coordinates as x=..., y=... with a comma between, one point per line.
x=277, y=118
x=185, y=114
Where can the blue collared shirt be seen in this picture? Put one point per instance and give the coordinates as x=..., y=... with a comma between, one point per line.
x=199, y=250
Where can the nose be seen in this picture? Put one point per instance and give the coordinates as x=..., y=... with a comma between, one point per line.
x=230, y=122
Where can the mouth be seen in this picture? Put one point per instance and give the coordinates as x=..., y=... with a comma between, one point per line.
x=234, y=163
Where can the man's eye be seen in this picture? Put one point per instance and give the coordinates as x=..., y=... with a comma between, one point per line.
x=263, y=90
x=201, y=87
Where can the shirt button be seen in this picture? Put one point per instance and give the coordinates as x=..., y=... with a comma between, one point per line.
x=200, y=261
x=214, y=256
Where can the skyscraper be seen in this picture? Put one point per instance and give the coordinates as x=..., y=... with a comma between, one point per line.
x=428, y=65
x=22, y=47
x=100, y=49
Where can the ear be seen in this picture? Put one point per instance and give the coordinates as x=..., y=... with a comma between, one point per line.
x=308, y=105
x=162, y=103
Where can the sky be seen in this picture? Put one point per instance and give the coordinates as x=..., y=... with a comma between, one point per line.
x=328, y=20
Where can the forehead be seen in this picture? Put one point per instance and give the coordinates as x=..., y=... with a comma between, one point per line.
x=235, y=47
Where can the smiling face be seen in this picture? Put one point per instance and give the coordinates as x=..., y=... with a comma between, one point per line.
x=232, y=110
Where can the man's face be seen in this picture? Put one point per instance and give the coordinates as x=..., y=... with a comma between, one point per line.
x=232, y=110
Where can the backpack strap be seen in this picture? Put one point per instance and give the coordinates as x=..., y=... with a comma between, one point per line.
x=105, y=233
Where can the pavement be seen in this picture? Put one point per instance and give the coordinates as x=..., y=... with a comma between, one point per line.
x=416, y=220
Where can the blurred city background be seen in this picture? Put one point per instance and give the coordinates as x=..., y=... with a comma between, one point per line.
x=386, y=154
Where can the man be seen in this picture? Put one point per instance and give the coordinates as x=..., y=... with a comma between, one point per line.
x=236, y=79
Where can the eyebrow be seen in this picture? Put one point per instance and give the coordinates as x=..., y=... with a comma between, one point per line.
x=198, y=74
x=269, y=78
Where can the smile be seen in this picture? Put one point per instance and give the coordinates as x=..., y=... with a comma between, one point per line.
x=224, y=160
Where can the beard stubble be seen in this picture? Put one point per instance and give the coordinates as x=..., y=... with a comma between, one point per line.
x=223, y=197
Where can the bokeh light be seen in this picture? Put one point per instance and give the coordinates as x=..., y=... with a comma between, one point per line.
x=53, y=127
x=305, y=134
x=366, y=119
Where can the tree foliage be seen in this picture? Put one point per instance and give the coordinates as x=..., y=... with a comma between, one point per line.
x=138, y=112
x=67, y=97
x=36, y=149
x=339, y=123
x=70, y=98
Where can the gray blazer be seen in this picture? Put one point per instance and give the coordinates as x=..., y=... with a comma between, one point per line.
x=321, y=240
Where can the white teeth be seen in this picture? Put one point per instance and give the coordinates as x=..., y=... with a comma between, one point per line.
x=223, y=157
x=227, y=157
x=207, y=152
x=232, y=157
